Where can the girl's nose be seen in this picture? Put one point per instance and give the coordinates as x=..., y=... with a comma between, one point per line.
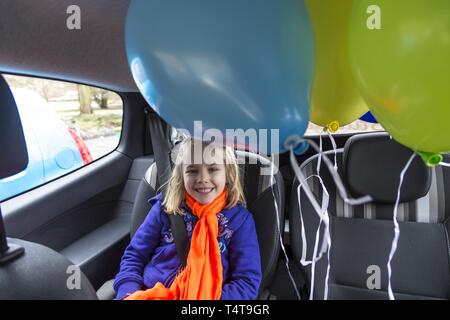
x=203, y=175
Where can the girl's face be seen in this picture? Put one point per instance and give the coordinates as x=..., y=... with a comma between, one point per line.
x=205, y=181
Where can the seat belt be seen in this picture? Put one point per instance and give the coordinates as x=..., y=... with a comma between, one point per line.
x=160, y=136
x=8, y=252
x=3, y=243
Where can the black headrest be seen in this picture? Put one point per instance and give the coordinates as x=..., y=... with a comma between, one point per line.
x=14, y=158
x=372, y=165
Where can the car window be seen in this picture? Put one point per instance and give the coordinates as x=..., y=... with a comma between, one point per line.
x=357, y=126
x=66, y=126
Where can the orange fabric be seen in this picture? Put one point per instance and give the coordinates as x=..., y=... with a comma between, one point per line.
x=202, y=277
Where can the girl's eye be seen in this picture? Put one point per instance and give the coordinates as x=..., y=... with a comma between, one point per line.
x=191, y=171
x=213, y=169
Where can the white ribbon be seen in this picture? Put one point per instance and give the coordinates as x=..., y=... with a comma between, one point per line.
x=319, y=158
x=396, y=227
x=333, y=142
x=444, y=164
x=337, y=179
x=322, y=211
x=326, y=243
x=323, y=216
x=280, y=234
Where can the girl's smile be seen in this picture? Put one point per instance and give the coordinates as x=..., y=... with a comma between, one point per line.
x=204, y=182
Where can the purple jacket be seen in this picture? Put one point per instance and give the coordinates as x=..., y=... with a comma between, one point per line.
x=152, y=257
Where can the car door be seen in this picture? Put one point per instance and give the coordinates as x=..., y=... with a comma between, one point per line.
x=85, y=214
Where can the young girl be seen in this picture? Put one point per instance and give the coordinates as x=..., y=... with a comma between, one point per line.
x=223, y=260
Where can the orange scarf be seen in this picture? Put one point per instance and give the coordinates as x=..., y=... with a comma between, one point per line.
x=202, y=277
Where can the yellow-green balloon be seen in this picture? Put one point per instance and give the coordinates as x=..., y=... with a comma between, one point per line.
x=400, y=53
x=335, y=96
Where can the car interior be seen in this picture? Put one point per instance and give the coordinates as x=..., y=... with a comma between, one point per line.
x=86, y=218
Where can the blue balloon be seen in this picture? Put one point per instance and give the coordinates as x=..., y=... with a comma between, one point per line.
x=368, y=117
x=230, y=64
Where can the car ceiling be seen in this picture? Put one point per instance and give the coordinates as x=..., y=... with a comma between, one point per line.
x=34, y=40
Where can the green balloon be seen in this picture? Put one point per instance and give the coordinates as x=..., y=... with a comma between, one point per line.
x=400, y=52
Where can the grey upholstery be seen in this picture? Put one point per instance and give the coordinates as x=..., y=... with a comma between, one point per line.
x=146, y=190
x=11, y=134
x=387, y=159
x=42, y=274
x=106, y=291
x=53, y=51
x=362, y=235
x=255, y=178
x=29, y=270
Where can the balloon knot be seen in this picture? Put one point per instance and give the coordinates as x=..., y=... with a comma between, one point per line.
x=431, y=159
x=333, y=126
x=297, y=144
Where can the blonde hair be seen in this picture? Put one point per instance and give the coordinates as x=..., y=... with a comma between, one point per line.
x=175, y=193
